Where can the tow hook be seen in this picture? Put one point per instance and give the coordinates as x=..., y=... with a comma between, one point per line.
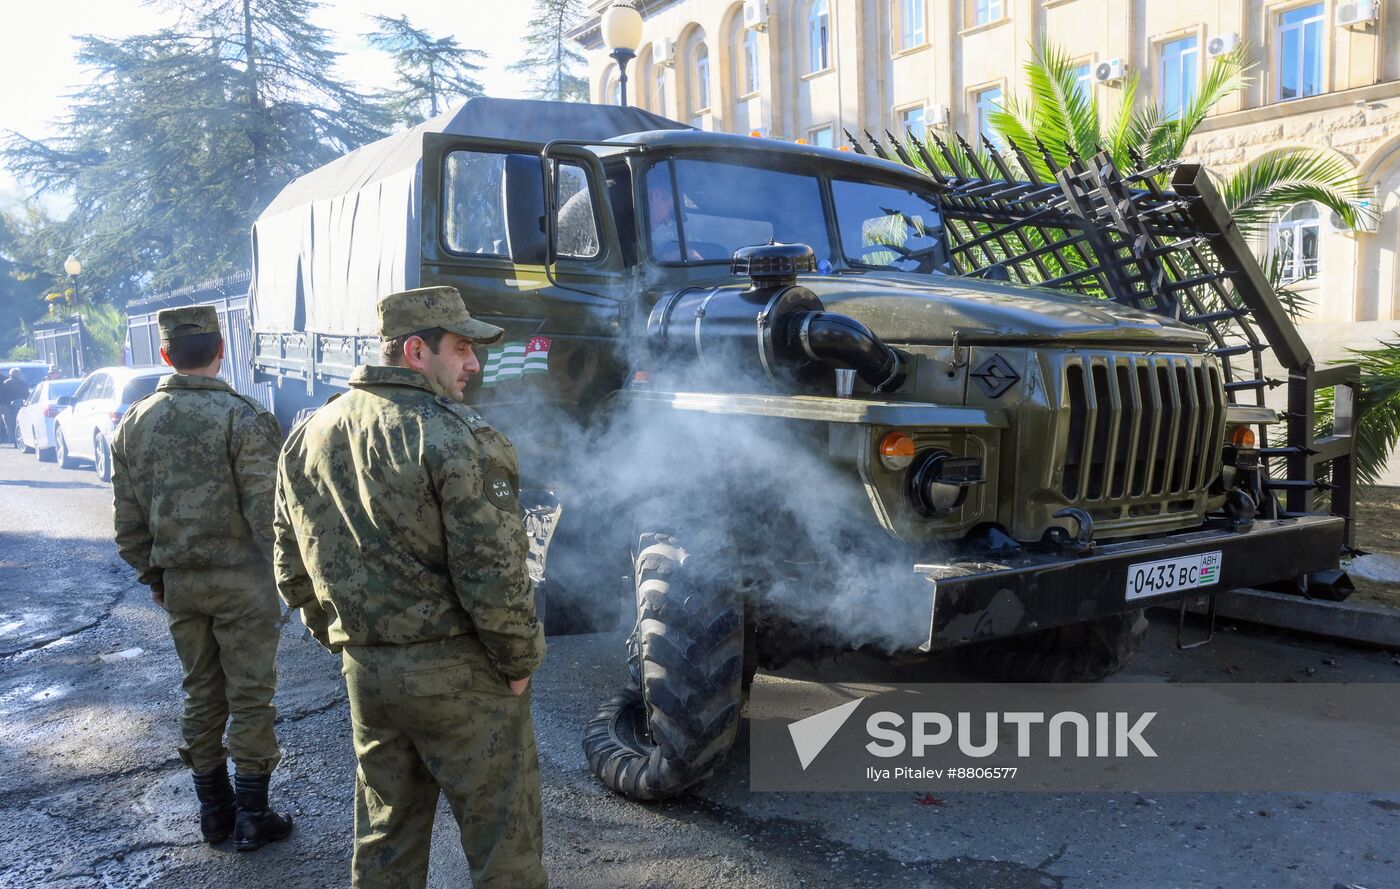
x=1083, y=542
x=1240, y=509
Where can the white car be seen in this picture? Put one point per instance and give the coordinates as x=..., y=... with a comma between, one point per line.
x=83, y=432
x=34, y=424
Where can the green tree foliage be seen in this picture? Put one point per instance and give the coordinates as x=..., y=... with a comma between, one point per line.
x=182, y=136
x=551, y=60
x=432, y=71
x=30, y=267
x=104, y=328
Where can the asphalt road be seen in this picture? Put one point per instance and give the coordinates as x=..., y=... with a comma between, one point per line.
x=93, y=795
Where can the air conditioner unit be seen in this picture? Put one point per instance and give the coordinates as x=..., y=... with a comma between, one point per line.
x=756, y=14
x=935, y=115
x=664, y=52
x=1359, y=12
x=1221, y=44
x=1110, y=71
x=1369, y=223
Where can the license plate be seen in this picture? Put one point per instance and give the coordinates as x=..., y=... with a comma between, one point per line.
x=1173, y=575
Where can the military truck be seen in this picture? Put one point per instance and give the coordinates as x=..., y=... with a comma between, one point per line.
x=793, y=400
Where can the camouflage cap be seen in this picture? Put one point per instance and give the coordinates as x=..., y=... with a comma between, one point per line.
x=187, y=321
x=427, y=307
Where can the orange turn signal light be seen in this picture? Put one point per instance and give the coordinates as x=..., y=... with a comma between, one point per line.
x=1243, y=437
x=897, y=450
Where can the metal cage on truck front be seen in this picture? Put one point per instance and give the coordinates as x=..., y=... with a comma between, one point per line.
x=1161, y=240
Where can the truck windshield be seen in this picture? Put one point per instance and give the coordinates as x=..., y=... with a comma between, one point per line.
x=889, y=227
x=702, y=211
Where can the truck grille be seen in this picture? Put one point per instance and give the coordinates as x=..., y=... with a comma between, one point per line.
x=1141, y=426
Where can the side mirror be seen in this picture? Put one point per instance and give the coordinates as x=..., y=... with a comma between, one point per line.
x=524, y=187
x=66, y=400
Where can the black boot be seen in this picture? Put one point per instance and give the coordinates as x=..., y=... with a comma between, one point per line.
x=257, y=824
x=216, y=804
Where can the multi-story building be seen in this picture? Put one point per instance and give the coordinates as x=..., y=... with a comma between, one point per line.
x=1326, y=76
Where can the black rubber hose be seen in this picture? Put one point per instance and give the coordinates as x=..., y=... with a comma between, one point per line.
x=844, y=341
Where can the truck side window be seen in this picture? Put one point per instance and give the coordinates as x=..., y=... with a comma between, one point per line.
x=577, y=225
x=474, y=207
x=473, y=218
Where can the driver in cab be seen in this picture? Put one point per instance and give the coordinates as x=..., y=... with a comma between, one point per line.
x=665, y=227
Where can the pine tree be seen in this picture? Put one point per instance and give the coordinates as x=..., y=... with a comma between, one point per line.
x=432, y=71
x=184, y=135
x=551, y=60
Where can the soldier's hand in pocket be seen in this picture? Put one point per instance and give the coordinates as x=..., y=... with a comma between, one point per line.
x=518, y=686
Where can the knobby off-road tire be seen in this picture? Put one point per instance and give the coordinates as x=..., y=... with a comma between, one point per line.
x=1084, y=652
x=664, y=738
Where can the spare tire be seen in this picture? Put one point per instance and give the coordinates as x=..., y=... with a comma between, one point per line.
x=1082, y=652
x=669, y=734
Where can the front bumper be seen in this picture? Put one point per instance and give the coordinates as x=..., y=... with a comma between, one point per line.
x=990, y=600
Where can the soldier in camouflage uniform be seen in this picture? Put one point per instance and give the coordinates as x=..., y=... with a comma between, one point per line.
x=193, y=470
x=399, y=535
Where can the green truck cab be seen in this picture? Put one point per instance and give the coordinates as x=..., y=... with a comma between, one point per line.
x=810, y=400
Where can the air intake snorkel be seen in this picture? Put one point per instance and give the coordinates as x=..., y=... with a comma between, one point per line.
x=787, y=323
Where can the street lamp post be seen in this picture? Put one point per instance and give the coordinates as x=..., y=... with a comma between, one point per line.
x=74, y=268
x=622, y=33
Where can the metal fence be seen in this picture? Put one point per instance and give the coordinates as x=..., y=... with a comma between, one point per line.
x=63, y=345
x=229, y=297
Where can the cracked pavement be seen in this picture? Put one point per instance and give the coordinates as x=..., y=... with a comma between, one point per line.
x=93, y=795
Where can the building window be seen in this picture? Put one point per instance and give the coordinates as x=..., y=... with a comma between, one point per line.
x=819, y=37
x=823, y=137
x=701, y=87
x=658, y=91
x=984, y=12
x=1084, y=79
x=1180, y=70
x=911, y=122
x=1295, y=241
x=985, y=103
x=911, y=23
x=1300, y=52
x=615, y=91
x=751, y=58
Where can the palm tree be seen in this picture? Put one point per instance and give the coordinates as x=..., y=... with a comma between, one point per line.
x=1060, y=116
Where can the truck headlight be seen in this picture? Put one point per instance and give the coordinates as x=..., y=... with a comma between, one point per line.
x=938, y=483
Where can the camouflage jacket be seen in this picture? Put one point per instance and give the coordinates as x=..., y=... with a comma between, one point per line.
x=398, y=521
x=194, y=465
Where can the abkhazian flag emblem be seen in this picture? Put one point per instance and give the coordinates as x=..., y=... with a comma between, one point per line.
x=511, y=361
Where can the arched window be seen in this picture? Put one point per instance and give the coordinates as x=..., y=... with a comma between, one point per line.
x=1294, y=241
x=749, y=82
x=700, y=88
x=819, y=37
x=615, y=91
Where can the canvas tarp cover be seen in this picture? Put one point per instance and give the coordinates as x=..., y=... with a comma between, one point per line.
x=337, y=239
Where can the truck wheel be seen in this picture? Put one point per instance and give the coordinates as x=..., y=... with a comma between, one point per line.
x=670, y=734
x=1083, y=652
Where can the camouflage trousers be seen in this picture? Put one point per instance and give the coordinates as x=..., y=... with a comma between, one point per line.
x=224, y=622
x=432, y=718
